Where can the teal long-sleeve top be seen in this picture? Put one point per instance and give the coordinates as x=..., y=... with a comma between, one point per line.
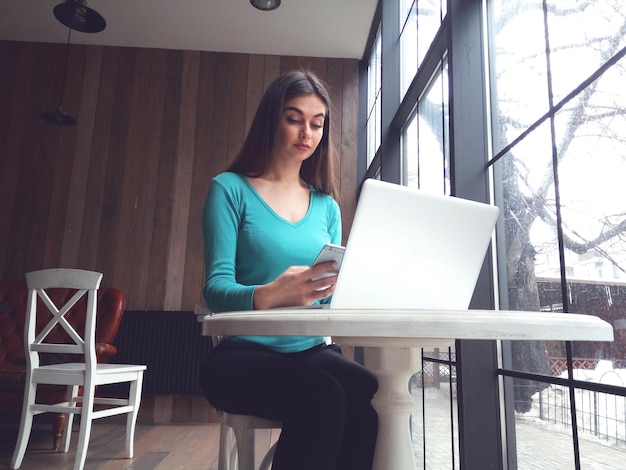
x=247, y=244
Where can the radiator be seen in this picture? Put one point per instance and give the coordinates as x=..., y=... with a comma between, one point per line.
x=169, y=343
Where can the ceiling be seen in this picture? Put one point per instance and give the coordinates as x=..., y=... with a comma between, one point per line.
x=308, y=28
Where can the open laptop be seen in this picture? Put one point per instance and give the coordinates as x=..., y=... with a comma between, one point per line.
x=411, y=249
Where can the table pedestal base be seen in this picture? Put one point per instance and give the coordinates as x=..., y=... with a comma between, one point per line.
x=394, y=404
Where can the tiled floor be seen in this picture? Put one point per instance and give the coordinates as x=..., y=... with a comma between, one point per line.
x=194, y=446
x=539, y=446
x=157, y=447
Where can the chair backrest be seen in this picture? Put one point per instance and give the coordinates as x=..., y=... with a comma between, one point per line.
x=40, y=339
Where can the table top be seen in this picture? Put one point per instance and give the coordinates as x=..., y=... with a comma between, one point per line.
x=436, y=328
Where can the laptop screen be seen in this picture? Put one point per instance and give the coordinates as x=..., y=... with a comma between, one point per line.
x=412, y=249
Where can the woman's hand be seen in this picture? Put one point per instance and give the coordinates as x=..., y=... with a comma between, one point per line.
x=296, y=286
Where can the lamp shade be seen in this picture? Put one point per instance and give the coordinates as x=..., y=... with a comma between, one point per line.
x=265, y=5
x=59, y=117
x=76, y=15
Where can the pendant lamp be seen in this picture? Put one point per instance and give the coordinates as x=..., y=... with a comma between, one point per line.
x=59, y=116
x=265, y=5
x=75, y=15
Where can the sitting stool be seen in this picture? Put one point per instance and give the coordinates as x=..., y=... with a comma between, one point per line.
x=239, y=455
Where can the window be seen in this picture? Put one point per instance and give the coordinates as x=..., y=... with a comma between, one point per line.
x=373, y=100
x=420, y=20
x=426, y=142
x=551, y=122
x=559, y=116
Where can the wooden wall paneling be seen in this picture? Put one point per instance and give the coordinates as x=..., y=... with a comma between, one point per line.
x=219, y=150
x=201, y=410
x=181, y=409
x=152, y=102
x=34, y=178
x=129, y=181
x=63, y=155
x=289, y=63
x=127, y=234
x=238, y=97
x=272, y=70
x=74, y=223
x=17, y=72
x=182, y=182
x=349, y=135
x=9, y=53
x=99, y=150
x=40, y=150
x=334, y=79
x=255, y=88
x=114, y=186
x=23, y=220
x=165, y=182
x=194, y=264
x=319, y=66
x=236, y=129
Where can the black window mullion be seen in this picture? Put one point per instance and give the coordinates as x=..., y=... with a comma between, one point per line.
x=391, y=164
x=480, y=440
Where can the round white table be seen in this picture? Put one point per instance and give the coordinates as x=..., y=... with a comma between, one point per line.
x=393, y=338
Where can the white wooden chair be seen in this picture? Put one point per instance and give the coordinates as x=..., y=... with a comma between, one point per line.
x=75, y=375
x=238, y=453
x=237, y=442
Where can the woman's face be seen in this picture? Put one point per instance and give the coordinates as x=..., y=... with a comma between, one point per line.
x=301, y=128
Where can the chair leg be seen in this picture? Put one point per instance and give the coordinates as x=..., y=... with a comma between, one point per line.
x=71, y=396
x=26, y=424
x=134, y=398
x=269, y=457
x=227, y=452
x=86, y=417
x=58, y=427
x=245, y=448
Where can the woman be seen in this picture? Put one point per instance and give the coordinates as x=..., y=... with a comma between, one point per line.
x=265, y=220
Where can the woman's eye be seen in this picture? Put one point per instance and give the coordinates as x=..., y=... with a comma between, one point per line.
x=292, y=121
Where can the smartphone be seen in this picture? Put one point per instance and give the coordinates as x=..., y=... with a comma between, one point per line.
x=330, y=252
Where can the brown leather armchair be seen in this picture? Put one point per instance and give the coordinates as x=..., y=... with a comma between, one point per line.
x=13, y=298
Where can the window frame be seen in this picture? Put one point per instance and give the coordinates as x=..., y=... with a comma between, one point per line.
x=480, y=434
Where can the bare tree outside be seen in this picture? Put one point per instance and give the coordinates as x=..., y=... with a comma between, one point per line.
x=559, y=127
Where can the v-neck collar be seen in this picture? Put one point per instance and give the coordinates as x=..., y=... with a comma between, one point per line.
x=272, y=211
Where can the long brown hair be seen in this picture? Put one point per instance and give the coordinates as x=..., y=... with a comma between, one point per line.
x=255, y=155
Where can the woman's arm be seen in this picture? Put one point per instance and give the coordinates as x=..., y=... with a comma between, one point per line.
x=220, y=224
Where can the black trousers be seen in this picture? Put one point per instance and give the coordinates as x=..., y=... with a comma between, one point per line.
x=322, y=398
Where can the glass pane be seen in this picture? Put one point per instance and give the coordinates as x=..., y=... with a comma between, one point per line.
x=583, y=35
x=518, y=68
x=548, y=445
x=527, y=201
x=592, y=165
x=420, y=20
x=426, y=140
x=408, y=44
x=600, y=422
x=434, y=422
x=434, y=165
x=429, y=17
x=406, y=9
x=591, y=169
x=373, y=100
x=602, y=425
x=581, y=198
x=410, y=143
